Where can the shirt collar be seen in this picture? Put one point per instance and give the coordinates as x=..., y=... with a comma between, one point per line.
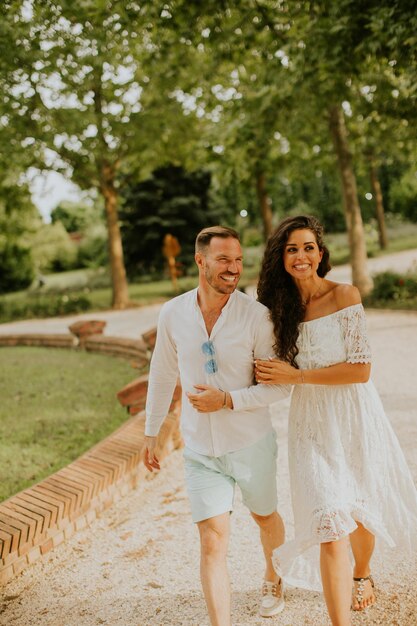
x=226, y=306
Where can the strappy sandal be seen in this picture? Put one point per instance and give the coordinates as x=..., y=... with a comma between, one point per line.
x=360, y=589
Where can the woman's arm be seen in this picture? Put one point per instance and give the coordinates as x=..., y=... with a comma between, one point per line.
x=275, y=372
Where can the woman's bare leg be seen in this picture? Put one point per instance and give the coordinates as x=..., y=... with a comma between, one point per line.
x=336, y=575
x=363, y=543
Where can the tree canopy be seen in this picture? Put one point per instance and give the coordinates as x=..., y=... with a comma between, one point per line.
x=282, y=106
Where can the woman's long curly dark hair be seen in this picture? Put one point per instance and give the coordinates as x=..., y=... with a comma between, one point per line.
x=277, y=290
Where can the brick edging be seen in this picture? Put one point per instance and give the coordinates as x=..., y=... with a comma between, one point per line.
x=134, y=349
x=37, y=519
x=58, y=340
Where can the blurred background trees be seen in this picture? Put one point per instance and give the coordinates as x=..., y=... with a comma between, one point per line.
x=19, y=220
x=171, y=201
x=179, y=114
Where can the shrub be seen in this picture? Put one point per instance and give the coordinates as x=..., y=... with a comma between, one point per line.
x=17, y=270
x=393, y=286
x=93, y=248
x=43, y=305
x=52, y=249
x=403, y=195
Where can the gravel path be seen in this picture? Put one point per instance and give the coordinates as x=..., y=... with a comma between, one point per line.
x=137, y=565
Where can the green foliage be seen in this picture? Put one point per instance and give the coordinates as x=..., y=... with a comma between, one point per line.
x=86, y=223
x=237, y=88
x=403, y=195
x=393, y=286
x=18, y=221
x=52, y=248
x=17, y=271
x=66, y=402
x=88, y=90
x=316, y=193
x=93, y=249
x=251, y=237
x=171, y=201
x=77, y=217
x=43, y=305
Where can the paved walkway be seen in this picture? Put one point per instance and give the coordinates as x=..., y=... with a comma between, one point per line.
x=137, y=565
x=130, y=323
x=396, y=262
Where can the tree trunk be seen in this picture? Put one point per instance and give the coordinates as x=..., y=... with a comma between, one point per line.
x=120, y=296
x=264, y=205
x=107, y=175
x=379, y=204
x=358, y=257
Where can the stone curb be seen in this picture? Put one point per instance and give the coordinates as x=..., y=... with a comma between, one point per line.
x=39, y=339
x=136, y=350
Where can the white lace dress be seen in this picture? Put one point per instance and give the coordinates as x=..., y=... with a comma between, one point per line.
x=345, y=461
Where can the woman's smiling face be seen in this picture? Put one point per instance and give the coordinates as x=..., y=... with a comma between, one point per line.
x=302, y=255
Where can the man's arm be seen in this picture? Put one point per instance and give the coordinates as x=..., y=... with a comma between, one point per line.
x=163, y=376
x=211, y=399
x=259, y=395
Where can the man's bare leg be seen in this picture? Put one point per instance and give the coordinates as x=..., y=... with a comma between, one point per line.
x=214, y=540
x=272, y=533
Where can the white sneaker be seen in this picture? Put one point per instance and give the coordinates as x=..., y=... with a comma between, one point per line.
x=272, y=599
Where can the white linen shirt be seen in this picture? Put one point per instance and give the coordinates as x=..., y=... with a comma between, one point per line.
x=242, y=333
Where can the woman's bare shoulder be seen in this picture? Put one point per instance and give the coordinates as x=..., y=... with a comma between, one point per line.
x=346, y=295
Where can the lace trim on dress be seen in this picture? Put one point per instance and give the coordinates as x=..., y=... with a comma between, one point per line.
x=297, y=560
x=332, y=525
x=353, y=323
x=359, y=358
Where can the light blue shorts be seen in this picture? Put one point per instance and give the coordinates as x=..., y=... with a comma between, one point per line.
x=211, y=480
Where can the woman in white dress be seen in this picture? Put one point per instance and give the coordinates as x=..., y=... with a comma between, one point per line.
x=349, y=480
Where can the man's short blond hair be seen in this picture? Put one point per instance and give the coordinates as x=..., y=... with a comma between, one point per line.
x=204, y=237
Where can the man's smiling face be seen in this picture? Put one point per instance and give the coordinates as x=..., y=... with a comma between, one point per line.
x=221, y=265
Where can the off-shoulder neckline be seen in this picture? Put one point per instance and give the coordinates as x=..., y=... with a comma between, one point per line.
x=346, y=308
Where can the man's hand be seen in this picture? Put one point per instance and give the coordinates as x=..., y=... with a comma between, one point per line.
x=149, y=459
x=209, y=399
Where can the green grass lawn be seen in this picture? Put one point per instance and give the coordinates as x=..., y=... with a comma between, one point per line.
x=55, y=405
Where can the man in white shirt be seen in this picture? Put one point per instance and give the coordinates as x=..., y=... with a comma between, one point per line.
x=210, y=336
